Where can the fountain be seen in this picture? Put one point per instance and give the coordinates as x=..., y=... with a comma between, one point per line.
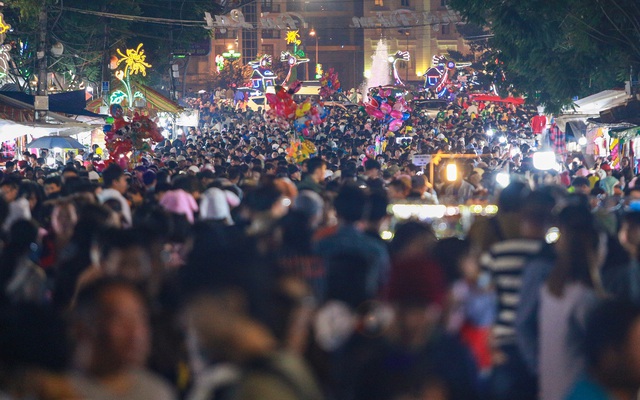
x=380, y=73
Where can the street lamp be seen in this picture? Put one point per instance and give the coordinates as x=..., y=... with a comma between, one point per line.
x=315, y=35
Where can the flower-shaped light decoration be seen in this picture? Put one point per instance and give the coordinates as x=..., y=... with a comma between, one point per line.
x=135, y=63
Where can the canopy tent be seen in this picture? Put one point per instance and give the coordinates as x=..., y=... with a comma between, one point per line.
x=10, y=130
x=155, y=101
x=591, y=106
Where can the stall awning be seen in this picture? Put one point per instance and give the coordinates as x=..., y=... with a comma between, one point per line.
x=72, y=103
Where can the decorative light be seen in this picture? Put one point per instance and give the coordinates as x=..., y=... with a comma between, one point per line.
x=502, y=139
x=135, y=63
x=489, y=132
x=293, y=37
x=582, y=141
x=367, y=73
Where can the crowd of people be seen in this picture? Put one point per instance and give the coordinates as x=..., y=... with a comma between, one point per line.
x=218, y=268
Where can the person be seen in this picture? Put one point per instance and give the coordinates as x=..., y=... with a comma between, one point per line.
x=115, y=186
x=22, y=280
x=503, y=265
x=611, y=343
x=349, y=239
x=112, y=335
x=623, y=280
x=313, y=180
x=556, y=296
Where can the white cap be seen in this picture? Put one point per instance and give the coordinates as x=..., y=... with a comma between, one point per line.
x=194, y=168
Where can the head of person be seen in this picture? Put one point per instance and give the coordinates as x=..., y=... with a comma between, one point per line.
x=612, y=346
x=581, y=185
x=9, y=188
x=629, y=233
x=123, y=254
x=52, y=185
x=316, y=168
x=349, y=203
x=114, y=178
x=111, y=329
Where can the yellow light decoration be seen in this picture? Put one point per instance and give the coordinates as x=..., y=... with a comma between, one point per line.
x=293, y=37
x=120, y=75
x=134, y=60
x=4, y=27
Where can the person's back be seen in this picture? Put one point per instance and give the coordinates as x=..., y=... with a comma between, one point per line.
x=350, y=240
x=561, y=323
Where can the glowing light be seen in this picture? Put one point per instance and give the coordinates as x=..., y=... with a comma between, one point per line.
x=452, y=172
x=489, y=132
x=367, y=73
x=503, y=179
x=582, y=141
x=391, y=59
x=134, y=60
x=544, y=160
x=419, y=74
x=502, y=139
x=293, y=37
x=552, y=235
x=386, y=235
x=4, y=27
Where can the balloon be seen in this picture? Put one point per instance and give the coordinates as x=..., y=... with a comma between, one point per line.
x=106, y=128
x=116, y=111
x=109, y=120
x=395, y=114
x=385, y=108
x=395, y=125
x=406, y=116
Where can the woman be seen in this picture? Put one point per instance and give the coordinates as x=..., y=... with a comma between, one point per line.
x=572, y=288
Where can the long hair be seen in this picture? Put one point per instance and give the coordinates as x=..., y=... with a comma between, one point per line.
x=577, y=253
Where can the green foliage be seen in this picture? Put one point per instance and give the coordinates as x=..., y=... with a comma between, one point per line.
x=234, y=74
x=556, y=49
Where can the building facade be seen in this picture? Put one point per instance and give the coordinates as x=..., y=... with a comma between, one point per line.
x=336, y=34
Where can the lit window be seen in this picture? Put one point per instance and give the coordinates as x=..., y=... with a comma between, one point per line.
x=379, y=3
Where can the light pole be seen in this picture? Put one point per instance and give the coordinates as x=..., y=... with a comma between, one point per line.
x=315, y=35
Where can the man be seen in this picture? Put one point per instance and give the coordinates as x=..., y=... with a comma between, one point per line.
x=53, y=187
x=503, y=264
x=115, y=186
x=371, y=169
x=313, y=180
x=112, y=333
x=349, y=240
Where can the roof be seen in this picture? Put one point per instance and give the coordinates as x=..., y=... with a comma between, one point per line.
x=155, y=101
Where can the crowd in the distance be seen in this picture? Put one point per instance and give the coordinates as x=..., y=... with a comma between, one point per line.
x=217, y=268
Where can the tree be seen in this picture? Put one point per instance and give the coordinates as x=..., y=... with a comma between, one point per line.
x=555, y=50
x=234, y=74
